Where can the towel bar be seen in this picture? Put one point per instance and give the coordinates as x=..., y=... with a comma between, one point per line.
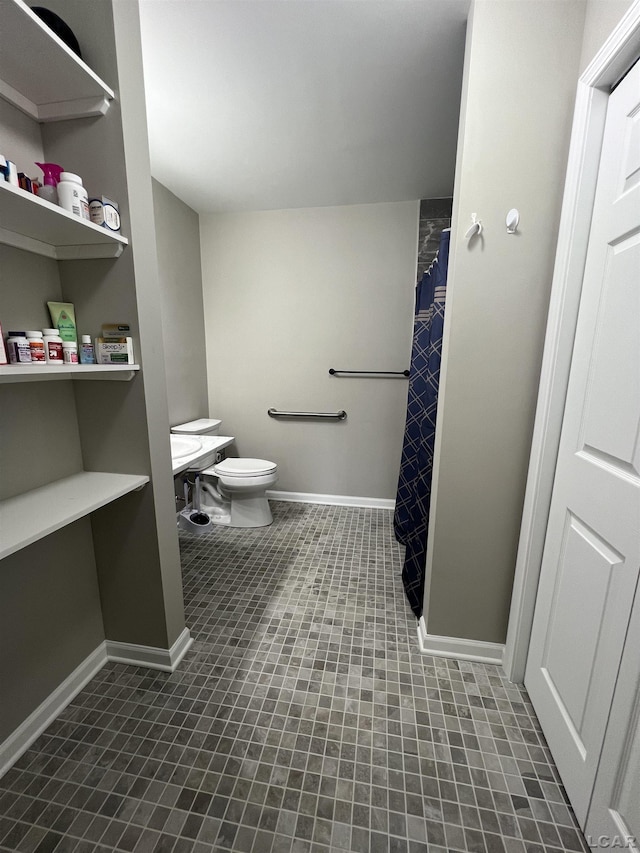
x=334, y=372
x=338, y=416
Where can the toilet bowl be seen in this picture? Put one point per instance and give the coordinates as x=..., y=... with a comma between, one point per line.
x=233, y=490
x=244, y=482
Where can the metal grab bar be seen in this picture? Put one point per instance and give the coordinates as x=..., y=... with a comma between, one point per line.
x=337, y=416
x=334, y=372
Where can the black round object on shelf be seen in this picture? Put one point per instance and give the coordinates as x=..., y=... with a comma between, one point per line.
x=62, y=30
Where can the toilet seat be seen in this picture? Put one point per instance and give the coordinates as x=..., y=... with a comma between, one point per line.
x=243, y=467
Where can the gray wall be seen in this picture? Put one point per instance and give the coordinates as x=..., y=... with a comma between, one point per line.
x=600, y=19
x=521, y=68
x=50, y=618
x=289, y=294
x=180, y=280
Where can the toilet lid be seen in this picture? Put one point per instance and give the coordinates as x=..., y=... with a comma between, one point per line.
x=242, y=467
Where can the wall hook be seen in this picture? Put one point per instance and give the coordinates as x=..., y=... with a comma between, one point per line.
x=475, y=229
x=513, y=218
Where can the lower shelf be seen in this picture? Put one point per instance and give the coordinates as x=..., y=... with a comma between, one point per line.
x=33, y=515
x=35, y=373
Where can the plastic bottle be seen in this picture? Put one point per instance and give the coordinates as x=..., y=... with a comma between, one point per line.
x=36, y=346
x=52, y=174
x=70, y=352
x=87, y=351
x=72, y=195
x=53, y=346
x=18, y=346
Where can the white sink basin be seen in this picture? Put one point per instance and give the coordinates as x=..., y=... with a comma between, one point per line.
x=184, y=445
x=191, y=453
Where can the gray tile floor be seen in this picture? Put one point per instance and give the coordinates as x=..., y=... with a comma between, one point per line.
x=303, y=720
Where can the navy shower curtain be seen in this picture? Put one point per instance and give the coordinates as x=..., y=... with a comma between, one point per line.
x=411, y=517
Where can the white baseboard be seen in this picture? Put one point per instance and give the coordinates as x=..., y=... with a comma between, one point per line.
x=21, y=739
x=477, y=651
x=331, y=500
x=165, y=659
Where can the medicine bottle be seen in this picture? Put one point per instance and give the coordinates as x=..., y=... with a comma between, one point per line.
x=72, y=195
x=36, y=346
x=18, y=347
x=70, y=352
x=53, y=346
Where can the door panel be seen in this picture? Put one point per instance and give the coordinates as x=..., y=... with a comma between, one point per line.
x=613, y=404
x=614, y=816
x=586, y=561
x=591, y=559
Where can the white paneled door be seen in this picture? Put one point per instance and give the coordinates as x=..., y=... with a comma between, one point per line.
x=591, y=559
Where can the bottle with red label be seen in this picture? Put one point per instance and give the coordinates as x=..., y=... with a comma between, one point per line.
x=53, y=346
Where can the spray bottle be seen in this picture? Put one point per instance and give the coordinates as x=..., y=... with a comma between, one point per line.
x=52, y=173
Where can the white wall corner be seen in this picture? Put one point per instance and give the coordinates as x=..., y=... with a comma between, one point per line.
x=458, y=648
x=21, y=739
x=332, y=500
x=164, y=659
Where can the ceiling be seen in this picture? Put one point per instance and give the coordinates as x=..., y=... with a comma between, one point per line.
x=273, y=104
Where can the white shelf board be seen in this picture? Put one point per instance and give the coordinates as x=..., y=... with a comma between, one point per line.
x=40, y=75
x=34, y=373
x=36, y=225
x=35, y=514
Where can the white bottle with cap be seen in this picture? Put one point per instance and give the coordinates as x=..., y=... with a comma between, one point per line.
x=36, y=346
x=70, y=352
x=52, y=346
x=72, y=195
x=18, y=346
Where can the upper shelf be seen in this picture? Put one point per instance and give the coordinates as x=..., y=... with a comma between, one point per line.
x=11, y=373
x=40, y=75
x=32, y=223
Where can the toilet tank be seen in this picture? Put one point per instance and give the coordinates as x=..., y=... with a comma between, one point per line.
x=203, y=426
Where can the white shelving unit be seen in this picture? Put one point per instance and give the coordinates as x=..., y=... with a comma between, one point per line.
x=40, y=75
x=120, y=577
x=35, y=373
x=36, y=225
x=33, y=515
x=44, y=79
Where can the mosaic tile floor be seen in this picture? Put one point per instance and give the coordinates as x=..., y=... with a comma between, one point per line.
x=303, y=720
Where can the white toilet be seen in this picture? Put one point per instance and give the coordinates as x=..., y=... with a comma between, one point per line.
x=233, y=491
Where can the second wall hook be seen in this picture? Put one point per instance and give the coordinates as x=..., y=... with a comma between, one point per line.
x=512, y=220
